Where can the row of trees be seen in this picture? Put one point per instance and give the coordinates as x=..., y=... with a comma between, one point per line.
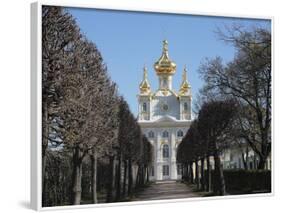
x=88, y=129
x=234, y=106
x=206, y=138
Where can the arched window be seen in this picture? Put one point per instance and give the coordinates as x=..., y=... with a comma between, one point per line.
x=165, y=134
x=151, y=134
x=165, y=151
x=144, y=107
x=185, y=106
x=180, y=133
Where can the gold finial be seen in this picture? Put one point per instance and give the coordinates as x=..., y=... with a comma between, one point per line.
x=144, y=85
x=165, y=46
x=184, y=77
x=164, y=65
x=184, y=85
x=144, y=72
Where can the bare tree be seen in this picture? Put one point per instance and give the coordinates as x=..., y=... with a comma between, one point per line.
x=58, y=31
x=247, y=79
x=83, y=115
x=207, y=136
x=216, y=118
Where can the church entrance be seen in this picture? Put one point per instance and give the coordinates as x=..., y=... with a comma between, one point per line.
x=166, y=172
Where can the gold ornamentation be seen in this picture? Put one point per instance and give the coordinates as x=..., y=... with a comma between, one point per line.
x=184, y=85
x=144, y=85
x=164, y=65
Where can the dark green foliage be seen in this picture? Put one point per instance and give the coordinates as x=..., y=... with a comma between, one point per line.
x=247, y=181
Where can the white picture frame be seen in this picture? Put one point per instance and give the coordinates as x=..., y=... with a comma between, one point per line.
x=36, y=102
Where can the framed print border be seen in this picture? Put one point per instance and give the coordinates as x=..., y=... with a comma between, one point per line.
x=36, y=102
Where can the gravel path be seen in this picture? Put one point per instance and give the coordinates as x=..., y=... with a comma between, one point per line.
x=165, y=190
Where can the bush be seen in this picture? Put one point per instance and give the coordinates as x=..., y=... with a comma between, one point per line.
x=247, y=181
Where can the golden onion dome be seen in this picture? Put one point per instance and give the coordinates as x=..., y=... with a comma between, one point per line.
x=164, y=65
x=184, y=85
x=144, y=85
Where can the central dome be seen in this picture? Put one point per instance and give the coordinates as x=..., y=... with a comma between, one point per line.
x=164, y=65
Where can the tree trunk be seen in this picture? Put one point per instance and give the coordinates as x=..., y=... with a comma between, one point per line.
x=94, y=177
x=111, y=183
x=202, y=175
x=44, y=159
x=125, y=178
x=197, y=175
x=191, y=172
x=147, y=174
x=219, y=178
x=182, y=171
x=130, y=179
x=77, y=176
x=209, y=175
x=245, y=158
x=262, y=163
x=44, y=147
x=142, y=175
x=137, y=178
x=265, y=149
x=186, y=173
x=118, y=178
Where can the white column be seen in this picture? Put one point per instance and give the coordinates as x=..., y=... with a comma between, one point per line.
x=158, y=165
x=173, y=156
x=150, y=108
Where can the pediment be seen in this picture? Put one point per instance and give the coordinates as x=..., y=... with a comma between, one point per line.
x=164, y=93
x=166, y=119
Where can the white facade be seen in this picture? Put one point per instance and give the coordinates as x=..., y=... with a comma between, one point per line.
x=232, y=158
x=164, y=116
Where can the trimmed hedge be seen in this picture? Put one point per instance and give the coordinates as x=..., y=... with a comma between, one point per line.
x=247, y=181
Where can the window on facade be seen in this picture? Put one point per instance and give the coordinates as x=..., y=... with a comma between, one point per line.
x=165, y=170
x=180, y=133
x=185, y=106
x=165, y=151
x=144, y=107
x=165, y=134
x=151, y=134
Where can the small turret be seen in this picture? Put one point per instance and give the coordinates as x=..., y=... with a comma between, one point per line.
x=185, y=87
x=144, y=85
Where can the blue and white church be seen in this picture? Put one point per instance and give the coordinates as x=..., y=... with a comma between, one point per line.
x=164, y=116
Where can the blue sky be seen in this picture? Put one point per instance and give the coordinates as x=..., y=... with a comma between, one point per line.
x=128, y=40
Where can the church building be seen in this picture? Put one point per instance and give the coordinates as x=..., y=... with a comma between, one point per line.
x=164, y=116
